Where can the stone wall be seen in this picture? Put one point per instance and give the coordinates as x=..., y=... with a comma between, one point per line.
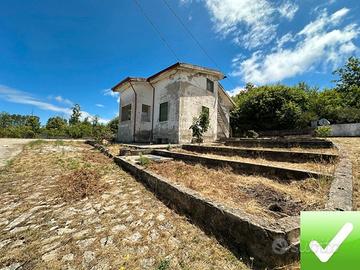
x=245, y=167
x=276, y=155
x=280, y=142
x=243, y=234
x=345, y=130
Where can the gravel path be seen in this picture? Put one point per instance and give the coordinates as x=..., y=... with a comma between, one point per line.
x=123, y=227
x=9, y=148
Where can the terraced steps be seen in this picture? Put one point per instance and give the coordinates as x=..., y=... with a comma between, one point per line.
x=268, y=154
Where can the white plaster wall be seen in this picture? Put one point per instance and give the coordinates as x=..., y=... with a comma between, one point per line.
x=167, y=90
x=126, y=128
x=193, y=96
x=144, y=96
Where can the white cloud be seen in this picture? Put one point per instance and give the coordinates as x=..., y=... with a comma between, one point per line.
x=111, y=93
x=288, y=10
x=321, y=42
x=99, y=105
x=251, y=23
x=235, y=91
x=60, y=99
x=20, y=97
x=16, y=96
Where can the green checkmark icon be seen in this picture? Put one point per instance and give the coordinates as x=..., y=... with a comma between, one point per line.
x=330, y=240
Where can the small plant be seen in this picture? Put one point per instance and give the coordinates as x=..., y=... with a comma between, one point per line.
x=35, y=143
x=168, y=147
x=144, y=161
x=164, y=265
x=200, y=126
x=59, y=143
x=252, y=134
x=324, y=131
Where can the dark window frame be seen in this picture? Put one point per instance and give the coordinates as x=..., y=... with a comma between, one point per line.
x=210, y=85
x=145, y=115
x=126, y=113
x=163, y=117
x=206, y=110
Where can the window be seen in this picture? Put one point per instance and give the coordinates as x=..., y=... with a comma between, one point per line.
x=163, y=114
x=210, y=85
x=126, y=113
x=145, y=113
x=205, y=110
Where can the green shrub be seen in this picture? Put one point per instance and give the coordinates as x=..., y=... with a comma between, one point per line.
x=200, y=126
x=144, y=161
x=324, y=131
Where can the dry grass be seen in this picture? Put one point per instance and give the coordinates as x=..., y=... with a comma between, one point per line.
x=322, y=167
x=252, y=194
x=352, y=147
x=81, y=183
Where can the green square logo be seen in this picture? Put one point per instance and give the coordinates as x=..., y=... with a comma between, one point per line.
x=330, y=240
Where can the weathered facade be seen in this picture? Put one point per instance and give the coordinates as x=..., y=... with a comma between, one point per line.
x=161, y=108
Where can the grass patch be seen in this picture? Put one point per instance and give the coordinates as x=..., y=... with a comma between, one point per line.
x=81, y=183
x=254, y=194
x=36, y=143
x=321, y=167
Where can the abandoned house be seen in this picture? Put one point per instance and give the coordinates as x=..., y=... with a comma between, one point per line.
x=161, y=108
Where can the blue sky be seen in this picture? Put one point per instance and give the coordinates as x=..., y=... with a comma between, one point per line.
x=54, y=54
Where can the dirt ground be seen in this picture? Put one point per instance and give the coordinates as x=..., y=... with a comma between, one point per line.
x=352, y=147
x=121, y=226
x=9, y=148
x=327, y=168
x=253, y=194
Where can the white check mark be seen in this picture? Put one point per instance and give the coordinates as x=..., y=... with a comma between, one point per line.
x=324, y=255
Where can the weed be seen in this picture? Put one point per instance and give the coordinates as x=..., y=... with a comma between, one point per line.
x=143, y=160
x=80, y=184
x=164, y=265
x=59, y=143
x=36, y=143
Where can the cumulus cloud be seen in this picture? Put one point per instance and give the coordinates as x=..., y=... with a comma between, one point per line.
x=321, y=42
x=235, y=91
x=288, y=10
x=251, y=23
x=21, y=97
x=111, y=93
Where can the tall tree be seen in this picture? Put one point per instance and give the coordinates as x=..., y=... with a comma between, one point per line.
x=348, y=83
x=75, y=116
x=349, y=75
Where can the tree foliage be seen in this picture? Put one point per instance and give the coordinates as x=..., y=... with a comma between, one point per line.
x=200, y=125
x=75, y=116
x=279, y=107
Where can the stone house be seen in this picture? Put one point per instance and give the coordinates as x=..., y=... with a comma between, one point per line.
x=161, y=108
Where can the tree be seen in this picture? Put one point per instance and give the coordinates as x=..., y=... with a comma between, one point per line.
x=114, y=125
x=56, y=122
x=348, y=83
x=272, y=107
x=95, y=121
x=200, y=126
x=349, y=75
x=33, y=122
x=75, y=116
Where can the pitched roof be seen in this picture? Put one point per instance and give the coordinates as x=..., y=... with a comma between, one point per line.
x=174, y=66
